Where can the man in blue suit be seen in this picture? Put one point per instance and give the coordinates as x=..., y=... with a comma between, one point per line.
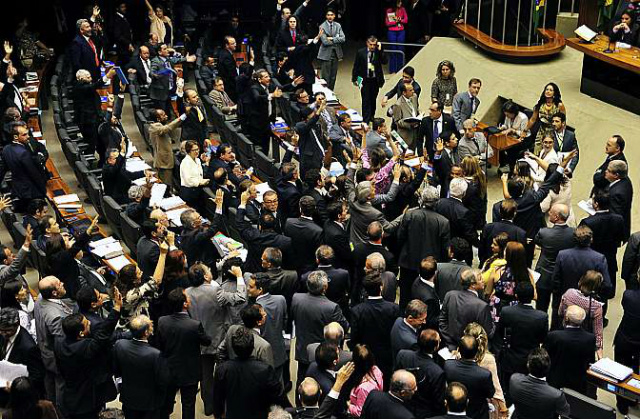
x=84, y=52
x=564, y=141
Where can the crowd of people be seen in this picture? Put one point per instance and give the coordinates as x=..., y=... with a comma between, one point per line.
x=383, y=284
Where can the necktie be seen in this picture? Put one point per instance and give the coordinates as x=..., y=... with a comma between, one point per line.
x=95, y=52
x=200, y=115
x=145, y=63
x=436, y=131
x=225, y=99
x=313, y=131
x=266, y=89
x=330, y=28
x=370, y=65
x=293, y=37
x=560, y=139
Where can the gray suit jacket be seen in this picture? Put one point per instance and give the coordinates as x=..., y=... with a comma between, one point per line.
x=407, y=130
x=458, y=310
x=261, y=348
x=375, y=140
x=48, y=316
x=160, y=83
x=551, y=241
x=212, y=306
x=535, y=399
x=311, y=313
x=218, y=100
x=11, y=272
x=276, y=308
x=463, y=108
x=328, y=47
x=448, y=277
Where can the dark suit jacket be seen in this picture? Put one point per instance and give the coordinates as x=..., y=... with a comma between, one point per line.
x=381, y=405
x=26, y=352
x=284, y=39
x=121, y=33
x=620, y=197
x=236, y=382
x=371, y=324
x=429, y=399
x=320, y=217
x=306, y=237
x=197, y=244
x=572, y=263
x=258, y=113
x=425, y=135
x=460, y=219
x=360, y=66
x=310, y=133
x=337, y=237
x=460, y=308
x=491, y=230
x=83, y=57
x=339, y=285
x=608, y=235
x=536, y=399
x=551, y=241
x=628, y=332
x=402, y=337
x=193, y=128
x=228, y=71
x=115, y=181
x=478, y=382
x=141, y=72
x=86, y=103
x=323, y=377
x=148, y=253
x=288, y=199
x=423, y=233
x=448, y=277
x=569, y=143
x=144, y=374
x=179, y=338
x=258, y=240
x=599, y=181
x=428, y=295
x=27, y=178
x=442, y=167
x=525, y=329
x=571, y=351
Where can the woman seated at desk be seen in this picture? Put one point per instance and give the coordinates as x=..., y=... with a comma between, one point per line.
x=515, y=124
x=625, y=31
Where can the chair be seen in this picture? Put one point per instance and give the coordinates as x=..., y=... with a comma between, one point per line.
x=583, y=407
x=21, y=234
x=71, y=152
x=265, y=167
x=8, y=218
x=95, y=191
x=112, y=212
x=131, y=233
x=246, y=151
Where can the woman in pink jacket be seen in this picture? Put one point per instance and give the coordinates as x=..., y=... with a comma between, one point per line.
x=396, y=19
x=365, y=378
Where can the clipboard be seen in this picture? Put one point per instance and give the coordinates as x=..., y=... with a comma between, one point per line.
x=121, y=76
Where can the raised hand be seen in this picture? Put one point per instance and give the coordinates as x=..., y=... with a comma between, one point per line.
x=28, y=236
x=8, y=48
x=94, y=224
x=397, y=171
x=164, y=248
x=4, y=202
x=504, y=177
x=96, y=11
x=244, y=197
x=117, y=299
x=439, y=145
x=171, y=238
x=236, y=271
x=219, y=198
x=568, y=158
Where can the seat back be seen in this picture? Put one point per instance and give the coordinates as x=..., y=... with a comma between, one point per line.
x=94, y=190
x=131, y=233
x=265, y=167
x=8, y=218
x=112, y=212
x=246, y=151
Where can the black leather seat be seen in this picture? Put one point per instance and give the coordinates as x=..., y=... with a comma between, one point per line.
x=131, y=233
x=112, y=212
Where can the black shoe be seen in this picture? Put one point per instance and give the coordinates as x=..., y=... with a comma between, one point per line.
x=605, y=322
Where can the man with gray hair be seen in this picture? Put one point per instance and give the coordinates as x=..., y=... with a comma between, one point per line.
x=137, y=209
x=311, y=311
x=84, y=53
x=380, y=405
x=473, y=143
x=620, y=191
x=423, y=232
x=195, y=239
x=459, y=216
x=551, y=241
x=460, y=308
x=339, y=279
x=375, y=263
x=333, y=334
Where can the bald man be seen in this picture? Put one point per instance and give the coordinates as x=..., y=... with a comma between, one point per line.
x=456, y=401
x=393, y=404
x=333, y=333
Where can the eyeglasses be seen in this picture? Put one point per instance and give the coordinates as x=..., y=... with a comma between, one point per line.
x=275, y=201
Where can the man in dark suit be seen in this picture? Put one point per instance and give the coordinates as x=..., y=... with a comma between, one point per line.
x=336, y=234
x=227, y=67
x=458, y=215
x=361, y=252
x=121, y=33
x=429, y=399
x=507, y=210
x=312, y=311
x=631, y=261
x=244, y=379
x=446, y=157
x=571, y=351
x=322, y=369
x=28, y=180
x=283, y=281
x=312, y=142
x=179, y=339
x=431, y=127
x=343, y=137
x=532, y=396
x=140, y=67
x=404, y=334
x=367, y=74
x=149, y=245
x=196, y=238
x=339, y=280
x=456, y=401
x=423, y=289
x=627, y=338
x=225, y=158
x=460, y=308
x=260, y=238
x=262, y=110
x=615, y=151
x=394, y=404
x=476, y=379
x=520, y=330
x=83, y=51
x=608, y=232
x=289, y=190
x=195, y=126
x=423, y=232
x=372, y=321
x=565, y=140
x=115, y=178
x=87, y=109
x=551, y=241
x=143, y=371
x=76, y=356
x=620, y=192
x=315, y=182
x=305, y=235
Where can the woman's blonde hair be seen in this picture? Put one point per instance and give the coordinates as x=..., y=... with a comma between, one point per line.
x=476, y=331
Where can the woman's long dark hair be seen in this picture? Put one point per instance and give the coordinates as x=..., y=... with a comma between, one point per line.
x=557, y=97
x=363, y=361
x=23, y=401
x=501, y=240
x=516, y=258
x=174, y=266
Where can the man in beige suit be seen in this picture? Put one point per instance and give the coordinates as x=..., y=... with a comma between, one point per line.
x=222, y=100
x=407, y=107
x=162, y=135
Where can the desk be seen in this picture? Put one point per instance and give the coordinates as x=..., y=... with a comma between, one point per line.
x=611, y=77
x=618, y=388
x=500, y=142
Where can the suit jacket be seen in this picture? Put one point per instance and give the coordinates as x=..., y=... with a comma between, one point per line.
x=428, y=295
x=283, y=282
x=48, y=315
x=311, y=143
x=491, y=230
x=285, y=40
x=631, y=259
x=402, y=110
x=211, y=305
x=429, y=399
x=161, y=137
x=141, y=71
x=460, y=308
x=628, y=333
x=121, y=33
x=208, y=74
x=339, y=285
x=193, y=128
x=463, y=107
x=571, y=351
x=86, y=102
x=448, y=277
x=236, y=382
x=536, y=399
x=425, y=134
x=222, y=103
x=148, y=252
x=197, y=244
x=524, y=328
x=327, y=48
x=261, y=348
x=310, y=314
x=337, y=237
x=478, y=382
x=381, y=405
x=608, y=235
x=162, y=82
x=26, y=352
x=144, y=374
x=258, y=240
x=228, y=71
x=322, y=377
x=179, y=338
x=320, y=216
x=599, y=181
x=460, y=219
x=306, y=237
x=258, y=113
x=569, y=143
x=423, y=233
x=620, y=197
x=375, y=140
x=115, y=181
x=572, y=263
x=27, y=177
x=288, y=199
x=276, y=308
x=551, y=241
x=84, y=57
x=442, y=165
x=403, y=336
x=360, y=66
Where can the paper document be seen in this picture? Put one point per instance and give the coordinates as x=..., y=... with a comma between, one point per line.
x=532, y=163
x=66, y=199
x=111, y=248
x=585, y=33
x=143, y=181
x=336, y=169
x=535, y=275
x=261, y=189
x=10, y=371
x=612, y=369
x=174, y=216
x=136, y=165
x=73, y=205
x=130, y=150
x=414, y=162
x=118, y=263
x=171, y=203
x=102, y=242
x=445, y=353
x=157, y=194
x=587, y=207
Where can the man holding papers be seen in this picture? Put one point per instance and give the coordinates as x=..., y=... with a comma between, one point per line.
x=406, y=115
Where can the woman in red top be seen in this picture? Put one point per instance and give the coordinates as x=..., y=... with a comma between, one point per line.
x=396, y=19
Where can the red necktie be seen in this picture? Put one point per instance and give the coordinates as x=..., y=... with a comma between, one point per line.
x=95, y=53
x=293, y=36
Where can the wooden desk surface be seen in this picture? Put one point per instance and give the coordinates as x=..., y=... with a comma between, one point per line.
x=628, y=59
x=628, y=391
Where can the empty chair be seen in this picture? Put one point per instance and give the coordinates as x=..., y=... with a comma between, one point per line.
x=246, y=151
x=131, y=233
x=95, y=191
x=112, y=212
x=265, y=166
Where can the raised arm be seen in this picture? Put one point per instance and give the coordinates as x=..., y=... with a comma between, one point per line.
x=158, y=273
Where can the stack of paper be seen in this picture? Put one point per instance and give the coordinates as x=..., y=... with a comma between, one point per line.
x=157, y=194
x=174, y=216
x=611, y=369
x=261, y=189
x=136, y=165
x=170, y=203
x=102, y=242
x=66, y=199
x=109, y=250
x=143, y=181
x=10, y=371
x=587, y=206
x=118, y=263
